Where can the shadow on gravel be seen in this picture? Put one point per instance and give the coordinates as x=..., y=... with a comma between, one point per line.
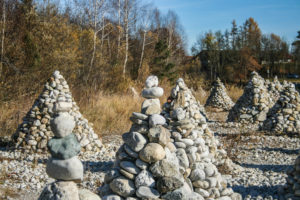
x=286, y=151
x=102, y=166
x=274, y=168
x=256, y=191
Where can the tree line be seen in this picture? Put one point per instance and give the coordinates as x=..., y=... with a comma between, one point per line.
x=109, y=44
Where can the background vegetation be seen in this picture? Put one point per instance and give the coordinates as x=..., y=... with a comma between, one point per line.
x=105, y=47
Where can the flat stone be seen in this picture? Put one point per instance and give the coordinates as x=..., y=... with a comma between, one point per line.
x=151, y=81
x=140, y=116
x=85, y=194
x=160, y=135
x=122, y=186
x=134, y=140
x=152, y=93
x=197, y=174
x=167, y=184
x=178, y=114
x=147, y=193
x=68, y=170
x=182, y=158
x=152, y=152
x=60, y=190
x=130, y=152
x=144, y=178
x=64, y=148
x=62, y=125
x=110, y=175
x=156, y=120
x=127, y=174
x=130, y=167
x=62, y=107
x=112, y=197
x=141, y=164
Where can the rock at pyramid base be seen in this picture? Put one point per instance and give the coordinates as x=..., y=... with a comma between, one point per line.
x=35, y=131
x=292, y=189
x=284, y=116
x=218, y=97
x=253, y=105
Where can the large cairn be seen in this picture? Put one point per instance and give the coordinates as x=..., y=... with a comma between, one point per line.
x=218, y=97
x=274, y=88
x=254, y=104
x=35, y=131
x=146, y=164
x=292, y=188
x=284, y=116
x=198, y=151
x=64, y=165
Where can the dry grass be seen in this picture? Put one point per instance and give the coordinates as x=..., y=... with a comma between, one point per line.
x=234, y=92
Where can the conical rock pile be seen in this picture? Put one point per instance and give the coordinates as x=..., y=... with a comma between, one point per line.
x=218, y=97
x=197, y=149
x=293, y=181
x=253, y=105
x=35, y=131
x=284, y=116
x=147, y=166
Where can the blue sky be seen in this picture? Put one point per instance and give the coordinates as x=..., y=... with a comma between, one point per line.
x=281, y=17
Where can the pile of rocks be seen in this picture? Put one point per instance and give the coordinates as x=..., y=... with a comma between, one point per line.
x=274, y=88
x=284, y=116
x=35, y=131
x=64, y=165
x=254, y=104
x=197, y=149
x=293, y=181
x=218, y=97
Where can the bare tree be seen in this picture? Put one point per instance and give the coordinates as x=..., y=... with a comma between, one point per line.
x=3, y=35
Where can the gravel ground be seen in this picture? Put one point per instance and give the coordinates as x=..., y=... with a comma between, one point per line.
x=265, y=158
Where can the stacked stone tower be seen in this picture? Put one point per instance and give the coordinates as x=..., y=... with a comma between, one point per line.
x=293, y=181
x=35, y=131
x=64, y=165
x=274, y=88
x=146, y=164
x=218, y=97
x=253, y=105
x=284, y=116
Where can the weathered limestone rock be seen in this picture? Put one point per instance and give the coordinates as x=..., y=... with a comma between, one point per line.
x=60, y=190
x=218, y=97
x=56, y=96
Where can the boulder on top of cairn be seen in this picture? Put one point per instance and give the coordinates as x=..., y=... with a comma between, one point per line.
x=284, y=116
x=253, y=105
x=35, y=130
x=292, y=188
x=218, y=97
x=147, y=156
x=197, y=150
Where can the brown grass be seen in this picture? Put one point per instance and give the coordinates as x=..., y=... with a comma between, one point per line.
x=234, y=92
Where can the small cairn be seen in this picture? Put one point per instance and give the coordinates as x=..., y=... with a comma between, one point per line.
x=218, y=97
x=284, y=116
x=197, y=150
x=254, y=104
x=35, y=131
x=292, y=188
x=146, y=164
x=64, y=165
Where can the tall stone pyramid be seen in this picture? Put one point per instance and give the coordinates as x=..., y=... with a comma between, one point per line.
x=218, y=97
x=35, y=131
x=150, y=166
x=275, y=88
x=188, y=124
x=292, y=188
x=253, y=105
x=284, y=116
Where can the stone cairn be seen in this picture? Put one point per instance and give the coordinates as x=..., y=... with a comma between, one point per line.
x=292, y=188
x=64, y=165
x=284, y=116
x=197, y=149
x=274, y=88
x=254, y=104
x=218, y=97
x=35, y=131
